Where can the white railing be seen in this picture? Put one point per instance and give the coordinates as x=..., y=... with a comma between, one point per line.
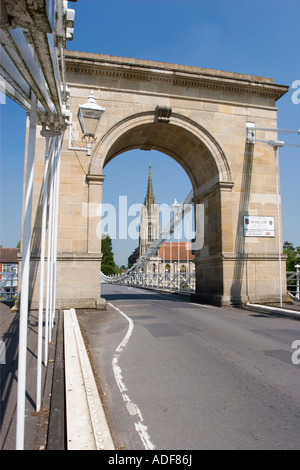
x=183, y=282
x=139, y=274
x=293, y=284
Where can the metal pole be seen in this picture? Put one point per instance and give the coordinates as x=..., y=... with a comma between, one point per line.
x=46, y=134
x=178, y=279
x=278, y=221
x=294, y=131
x=55, y=227
x=26, y=238
x=52, y=163
x=52, y=242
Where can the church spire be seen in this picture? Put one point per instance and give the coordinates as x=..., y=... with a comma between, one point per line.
x=149, y=199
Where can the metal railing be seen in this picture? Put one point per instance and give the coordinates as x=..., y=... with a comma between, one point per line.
x=180, y=281
x=139, y=274
x=293, y=284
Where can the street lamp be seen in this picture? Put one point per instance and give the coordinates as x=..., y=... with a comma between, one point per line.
x=276, y=144
x=89, y=117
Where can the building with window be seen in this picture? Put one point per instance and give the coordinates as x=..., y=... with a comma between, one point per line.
x=9, y=265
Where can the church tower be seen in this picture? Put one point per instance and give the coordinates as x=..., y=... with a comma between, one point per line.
x=150, y=225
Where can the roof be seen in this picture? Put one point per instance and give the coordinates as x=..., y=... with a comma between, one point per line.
x=9, y=255
x=149, y=199
x=169, y=251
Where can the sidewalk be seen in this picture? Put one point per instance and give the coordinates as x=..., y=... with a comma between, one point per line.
x=71, y=416
x=36, y=424
x=290, y=310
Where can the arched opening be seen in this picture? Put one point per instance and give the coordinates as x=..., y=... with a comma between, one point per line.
x=167, y=268
x=150, y=232
x=206, y=166
x=188, y=143
x=124, y=190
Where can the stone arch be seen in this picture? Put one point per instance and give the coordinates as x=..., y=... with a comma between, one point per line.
x=204, y=161
x=190, y=144
x=200, y=121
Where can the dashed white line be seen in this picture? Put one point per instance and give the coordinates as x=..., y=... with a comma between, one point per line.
x=132, y=408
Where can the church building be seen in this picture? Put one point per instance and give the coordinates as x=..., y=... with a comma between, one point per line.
x=173, y=256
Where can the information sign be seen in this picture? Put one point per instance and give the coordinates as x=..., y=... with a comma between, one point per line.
x=257, y=226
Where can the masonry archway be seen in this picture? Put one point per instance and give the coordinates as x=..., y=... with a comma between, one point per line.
x=191, y=145
x=205, y=163
x=198, y=117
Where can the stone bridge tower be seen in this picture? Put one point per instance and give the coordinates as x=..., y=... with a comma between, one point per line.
x=198, y=117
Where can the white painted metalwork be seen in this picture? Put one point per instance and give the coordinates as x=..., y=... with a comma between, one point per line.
x=42, y=266
x=89, y=117
x=33, y=75
x=55, y=226
x=26, y=239
x=293, y=283
x=139, y=275
x=276, y=145
x=178, y=281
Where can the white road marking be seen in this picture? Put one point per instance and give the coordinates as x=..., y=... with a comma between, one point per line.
x=202, y=305
x=132, y=409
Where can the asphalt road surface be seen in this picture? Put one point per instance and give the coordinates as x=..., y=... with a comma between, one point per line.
x=182, y=376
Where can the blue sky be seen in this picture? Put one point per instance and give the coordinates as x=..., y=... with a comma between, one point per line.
x=257, y=37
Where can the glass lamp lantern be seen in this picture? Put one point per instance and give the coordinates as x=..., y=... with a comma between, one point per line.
x=89, y=117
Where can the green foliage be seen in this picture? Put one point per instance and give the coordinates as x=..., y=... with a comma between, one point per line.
x=293, y=255
x=108, y=270
x=108, y=265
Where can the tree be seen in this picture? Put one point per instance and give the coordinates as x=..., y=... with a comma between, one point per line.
x=108, y=266
x=293, y=255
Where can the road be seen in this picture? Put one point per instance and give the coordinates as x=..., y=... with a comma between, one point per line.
x=178, y=376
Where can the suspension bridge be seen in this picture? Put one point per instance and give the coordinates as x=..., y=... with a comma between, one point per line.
x=139, y=274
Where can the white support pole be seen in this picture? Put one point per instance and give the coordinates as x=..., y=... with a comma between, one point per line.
x=52, y=242
x=46, y=134
x=55, y=225
x=178, y=280
x=51, y=251
x=278, y=221
x=26, y=239
x=48, y=289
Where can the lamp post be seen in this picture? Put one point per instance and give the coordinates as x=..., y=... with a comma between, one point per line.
x=89, y=117
x=276, y=144
x=176, y=209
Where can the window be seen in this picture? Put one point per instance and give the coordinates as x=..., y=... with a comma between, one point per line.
x=167, y=268
x=9, y=268
x=150, y=233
